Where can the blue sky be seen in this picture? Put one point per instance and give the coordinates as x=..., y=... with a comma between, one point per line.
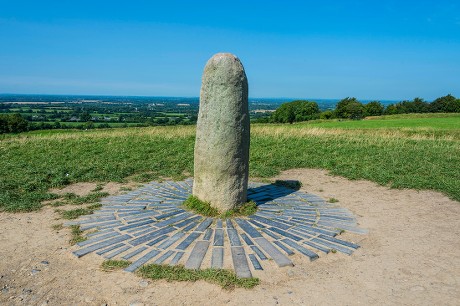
x=304, y=49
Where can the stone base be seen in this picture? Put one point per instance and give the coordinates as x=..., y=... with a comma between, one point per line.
x=149, y=225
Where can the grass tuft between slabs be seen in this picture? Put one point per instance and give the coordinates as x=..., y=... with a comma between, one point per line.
x=111, y=265
x=76, y=233
x=205, y=209
x=224, y=278
x=75, y=213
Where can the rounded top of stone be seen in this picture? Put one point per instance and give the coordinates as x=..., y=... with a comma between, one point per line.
x=224, y=58
x=223, y=55
x=224, y=62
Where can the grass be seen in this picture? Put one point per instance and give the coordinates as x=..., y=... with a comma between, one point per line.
x=224, y=278
x=92, y=197
x=76, y=233
x=75, y=213
x=200, y=207
x=291, y=184
x=433, y=121
x=74, y=199
x=57, y=227
x=421, y=155
x=246, y=209
x=205, y=208
x=111, y=265
x=333, y=200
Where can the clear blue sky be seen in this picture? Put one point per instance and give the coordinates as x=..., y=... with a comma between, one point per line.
x=306, y=49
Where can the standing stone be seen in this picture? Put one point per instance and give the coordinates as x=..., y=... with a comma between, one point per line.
x=222, y=134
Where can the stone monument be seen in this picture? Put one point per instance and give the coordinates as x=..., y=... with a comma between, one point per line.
x=222, y=134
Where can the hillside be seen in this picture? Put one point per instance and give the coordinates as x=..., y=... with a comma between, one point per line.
x=412, y=151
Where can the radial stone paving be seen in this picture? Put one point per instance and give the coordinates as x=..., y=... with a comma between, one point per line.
x=148, y=225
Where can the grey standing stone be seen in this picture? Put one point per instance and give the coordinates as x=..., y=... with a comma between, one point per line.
x=222, y=136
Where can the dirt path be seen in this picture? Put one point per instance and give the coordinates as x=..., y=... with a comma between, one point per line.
x=410, y=256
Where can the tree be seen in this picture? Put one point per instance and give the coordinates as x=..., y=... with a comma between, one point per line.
x=13, y=123
x=349, y=108
x=420, y=106
x=17, y=123
x=374, y=108
x=85, y=116
x=88, y=125
x=390, y=110
x=446, y=104
x=3, y=124
x=327, y=114
x=296, y=111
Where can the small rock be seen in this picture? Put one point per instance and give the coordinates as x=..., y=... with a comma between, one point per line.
x=27, y=291
x=5, y=290
x=45, y=262
x=417, y=288
x=35, y=271
x=136, y=303
x=143, y=283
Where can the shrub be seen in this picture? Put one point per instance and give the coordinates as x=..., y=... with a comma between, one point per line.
x=296, y=111
x=13, y=123
x=446, y=104
x=374, y=108
x=349, y=108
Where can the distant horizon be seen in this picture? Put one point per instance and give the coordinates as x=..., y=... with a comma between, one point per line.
x=197, y=97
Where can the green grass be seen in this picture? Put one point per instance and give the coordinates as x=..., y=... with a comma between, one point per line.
x=111, y=265
x=205, y=208
x=31, y=164
x=246, y=209
x=75, y=213
x=200, y=207
x=92, y=197
x=224, y=278
x=431, y=121
x=421, y=157
x=291, y=184
x=76, y=233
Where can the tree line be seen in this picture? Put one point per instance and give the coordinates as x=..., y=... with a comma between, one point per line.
x=351, y=108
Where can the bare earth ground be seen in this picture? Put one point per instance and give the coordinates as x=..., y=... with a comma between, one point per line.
x=410, y=256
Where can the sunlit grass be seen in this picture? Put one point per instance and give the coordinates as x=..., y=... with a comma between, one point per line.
x=225, y=278
x=419, y=157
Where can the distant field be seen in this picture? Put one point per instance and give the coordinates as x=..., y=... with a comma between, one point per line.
x=422, y=153
x=112, y=124
x=423, y=121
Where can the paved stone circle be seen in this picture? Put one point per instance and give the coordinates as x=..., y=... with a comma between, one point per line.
x=148, y=225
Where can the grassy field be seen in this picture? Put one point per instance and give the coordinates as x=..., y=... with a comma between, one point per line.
x=412, y=121
x=402, y=152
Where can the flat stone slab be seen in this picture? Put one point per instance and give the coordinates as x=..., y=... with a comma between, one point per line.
x=240, y=262
x=149, y=225
x=198, y=252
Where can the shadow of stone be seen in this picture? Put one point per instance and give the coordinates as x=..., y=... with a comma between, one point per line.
x=269, y=192
x=291, y=184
